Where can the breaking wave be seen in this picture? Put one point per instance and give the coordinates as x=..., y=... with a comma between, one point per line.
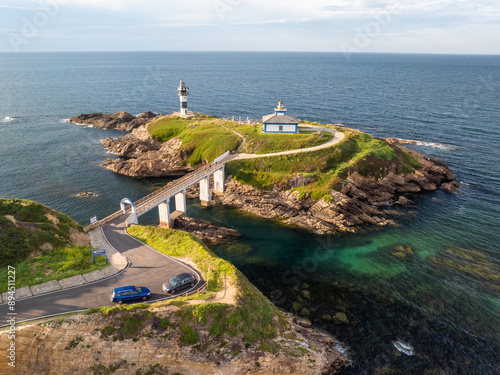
x=403, y=347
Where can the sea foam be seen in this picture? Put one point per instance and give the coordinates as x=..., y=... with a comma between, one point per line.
x=403, y=347
x=437, y=145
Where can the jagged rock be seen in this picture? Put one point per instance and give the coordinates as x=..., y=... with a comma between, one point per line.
x=86, y=194
x=205, y=231
x=304, y=323
x=168, y=160
x=119, y=121
x=397, y=141
x=361, y=201
x=132, y=145
x=451, y=187
x=403, y=201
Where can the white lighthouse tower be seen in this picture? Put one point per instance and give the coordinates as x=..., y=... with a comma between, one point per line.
x=183, y=93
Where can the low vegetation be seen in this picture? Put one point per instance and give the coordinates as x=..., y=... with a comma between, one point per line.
x=251, y=320
x=203, y=139
x=37, y=241
x=257, y=142
x=320, y=172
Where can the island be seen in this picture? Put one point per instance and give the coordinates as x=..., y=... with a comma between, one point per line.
x=324, y=179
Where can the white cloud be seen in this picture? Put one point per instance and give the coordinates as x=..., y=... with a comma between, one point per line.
x=299, y=24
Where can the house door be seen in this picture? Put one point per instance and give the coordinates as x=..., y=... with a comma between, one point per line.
x=281, y=128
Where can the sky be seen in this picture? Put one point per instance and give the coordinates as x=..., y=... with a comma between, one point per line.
x=400, y=26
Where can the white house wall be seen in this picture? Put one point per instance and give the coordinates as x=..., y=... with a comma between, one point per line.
x=286, y=128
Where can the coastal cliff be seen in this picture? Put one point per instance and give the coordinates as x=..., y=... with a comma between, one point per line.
x=361, y=200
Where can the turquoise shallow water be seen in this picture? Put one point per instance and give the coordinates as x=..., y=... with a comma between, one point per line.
x=449, y=317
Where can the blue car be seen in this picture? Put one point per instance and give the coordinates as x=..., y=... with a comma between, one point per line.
x=129, y=294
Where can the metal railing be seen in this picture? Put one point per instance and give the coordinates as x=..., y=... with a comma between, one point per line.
x=144, y=204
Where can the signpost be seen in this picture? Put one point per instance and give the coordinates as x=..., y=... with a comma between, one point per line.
x=93, y=219
x=98, y=253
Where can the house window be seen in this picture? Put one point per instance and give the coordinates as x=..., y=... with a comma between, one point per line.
x=281, y=128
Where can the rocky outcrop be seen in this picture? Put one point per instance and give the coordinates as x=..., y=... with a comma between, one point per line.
x=88, y=344
x=362, y=200
x=151, y=159
x=208, y=233
x=87, y=194
x=132, y=145
x=397, y=141
x=451, y=187
x=119, y=121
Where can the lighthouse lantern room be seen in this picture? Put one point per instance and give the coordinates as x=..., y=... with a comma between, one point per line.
x=183, y=92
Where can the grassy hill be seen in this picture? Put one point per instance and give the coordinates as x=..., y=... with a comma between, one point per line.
x=324, y=170
x=257, y=142
x=205, y=138
x=42, y=244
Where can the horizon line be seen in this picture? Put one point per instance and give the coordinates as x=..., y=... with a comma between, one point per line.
x=257, y=51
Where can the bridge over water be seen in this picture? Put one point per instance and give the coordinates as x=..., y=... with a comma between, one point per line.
x=173, y=190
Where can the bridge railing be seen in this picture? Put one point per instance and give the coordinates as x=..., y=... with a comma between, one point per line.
x=153, y=199
x=142, y=204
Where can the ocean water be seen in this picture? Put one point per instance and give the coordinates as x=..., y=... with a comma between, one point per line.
x=428, y=313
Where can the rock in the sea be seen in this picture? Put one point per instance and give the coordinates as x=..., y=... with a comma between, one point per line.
x=119, y=121
x=451, y=187
x=397, y=141
x=340, y=318
x=86, y=194
x=205, y=231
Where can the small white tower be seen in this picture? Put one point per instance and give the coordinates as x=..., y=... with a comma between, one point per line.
x=183, y=93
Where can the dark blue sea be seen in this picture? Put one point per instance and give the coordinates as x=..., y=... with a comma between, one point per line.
x=402, y=316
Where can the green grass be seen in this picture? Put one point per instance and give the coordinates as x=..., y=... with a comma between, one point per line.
x=326, y=169
x=189, y=335
x=203, y=139
x=181, y=244
x=56, y=264
x=21, y=244
x=252, y=317
x=35, y=228
x=257, y=142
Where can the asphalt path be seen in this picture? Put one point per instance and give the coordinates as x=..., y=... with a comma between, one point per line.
x=148, y=267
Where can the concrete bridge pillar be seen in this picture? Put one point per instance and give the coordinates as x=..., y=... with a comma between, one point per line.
x=180, y=201
x=164, y=210
x=205, y=191
x=219, y=181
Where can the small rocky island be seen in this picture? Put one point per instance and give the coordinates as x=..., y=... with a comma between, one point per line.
x=358, y=182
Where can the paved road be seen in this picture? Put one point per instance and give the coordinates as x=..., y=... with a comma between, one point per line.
x=148, y=267
x=337, y=137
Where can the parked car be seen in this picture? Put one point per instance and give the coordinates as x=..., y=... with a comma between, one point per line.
x=181, y=281
x=130, y=293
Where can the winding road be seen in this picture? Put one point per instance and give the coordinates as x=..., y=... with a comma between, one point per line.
x=148, y=267
x=337, y=137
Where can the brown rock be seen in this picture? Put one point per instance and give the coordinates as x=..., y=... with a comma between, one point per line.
x=119, y=121
x=451, y=187
x=205, y=231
